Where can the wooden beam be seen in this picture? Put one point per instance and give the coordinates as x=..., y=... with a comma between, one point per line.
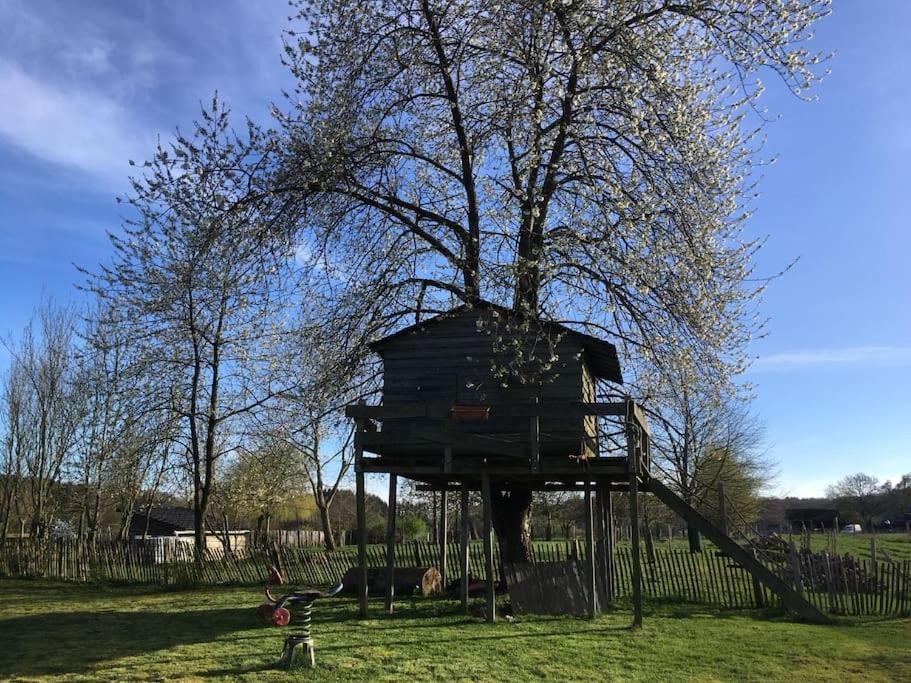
x=573, y=487
x=467, y=466
x=436, y=409
x=361, y=541
x=790, y=598
x=463, y=549
x=634, y=539
x=390, y=543
x=489, y=570
x=590, y=552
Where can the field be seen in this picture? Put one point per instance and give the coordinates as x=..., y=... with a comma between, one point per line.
x=69, y=632
x=897, y=546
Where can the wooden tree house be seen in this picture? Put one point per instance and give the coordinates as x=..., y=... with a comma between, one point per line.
x=476, y=399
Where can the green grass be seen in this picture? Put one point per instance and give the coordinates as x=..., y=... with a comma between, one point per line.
x=68, y=632
x=897, y=545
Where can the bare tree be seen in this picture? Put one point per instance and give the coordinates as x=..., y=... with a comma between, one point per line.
x=702, y=437
x=17, y=442
x=203, y=300
x=46, y=407
x=856, y=491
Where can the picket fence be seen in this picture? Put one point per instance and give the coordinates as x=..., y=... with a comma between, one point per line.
x=838, y=584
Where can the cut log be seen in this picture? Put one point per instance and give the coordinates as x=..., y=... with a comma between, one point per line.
x=407, y=580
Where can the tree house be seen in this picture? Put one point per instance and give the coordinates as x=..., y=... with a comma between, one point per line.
x=487, y=391
x=478, y=399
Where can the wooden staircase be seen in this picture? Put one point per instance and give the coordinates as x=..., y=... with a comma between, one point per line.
x=790, y=598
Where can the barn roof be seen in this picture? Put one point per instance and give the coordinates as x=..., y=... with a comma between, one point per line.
x=180, y=519
x=601, y=355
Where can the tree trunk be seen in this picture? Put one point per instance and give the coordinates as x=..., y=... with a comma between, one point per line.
x=511, y=511
x=326, y=523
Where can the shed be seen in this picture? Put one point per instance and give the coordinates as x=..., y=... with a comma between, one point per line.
x=179, y=523
x=812, y=518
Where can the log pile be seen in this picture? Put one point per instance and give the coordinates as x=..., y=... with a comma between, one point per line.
x=407, y=580
x=843, y=573
x=772, y=548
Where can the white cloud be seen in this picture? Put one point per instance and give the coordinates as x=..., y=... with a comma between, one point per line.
x=73, y=126
x=856, y=355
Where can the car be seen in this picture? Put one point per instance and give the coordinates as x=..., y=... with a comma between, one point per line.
x=851, y=529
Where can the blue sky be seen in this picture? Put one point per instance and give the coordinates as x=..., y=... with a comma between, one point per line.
x=86, y=86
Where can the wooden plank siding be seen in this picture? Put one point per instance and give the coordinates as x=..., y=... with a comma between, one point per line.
x=452, y=361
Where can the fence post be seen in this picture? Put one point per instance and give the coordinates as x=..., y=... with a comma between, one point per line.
x=757, y=586
x=795, y=568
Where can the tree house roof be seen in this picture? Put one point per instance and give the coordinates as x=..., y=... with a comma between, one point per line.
x=601, y=355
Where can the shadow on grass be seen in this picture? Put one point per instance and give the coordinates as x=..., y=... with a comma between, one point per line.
x=77, y=642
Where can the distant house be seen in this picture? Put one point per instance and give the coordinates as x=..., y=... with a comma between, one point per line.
x=812, y=519
x=179, y=523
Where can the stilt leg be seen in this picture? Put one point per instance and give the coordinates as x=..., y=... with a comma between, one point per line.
x=463, y=556
x=390, y=543
x=634, y=539
x=361, y=542
x=488, y=550
x=444, y=538
x=609, y=543
x=590, y=552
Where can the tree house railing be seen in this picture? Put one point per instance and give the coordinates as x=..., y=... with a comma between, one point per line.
x=455, y=421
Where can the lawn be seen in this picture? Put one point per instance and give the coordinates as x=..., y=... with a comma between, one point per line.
x=68, y=632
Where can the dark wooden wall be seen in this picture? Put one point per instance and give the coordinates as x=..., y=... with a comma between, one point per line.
x=451, y=361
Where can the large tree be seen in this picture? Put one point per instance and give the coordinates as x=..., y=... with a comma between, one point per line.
x=580, y=161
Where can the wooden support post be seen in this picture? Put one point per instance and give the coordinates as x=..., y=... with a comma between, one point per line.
x=634, y=539
x=361, y=541
x=444, y=538
x=390, y=543
x=590, y=552
x=489, y=569
x=609, y=550
x=601, y=543
x=463, y=555
x=361, y=507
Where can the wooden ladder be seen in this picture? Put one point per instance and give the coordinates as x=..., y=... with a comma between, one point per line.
x=790, y=598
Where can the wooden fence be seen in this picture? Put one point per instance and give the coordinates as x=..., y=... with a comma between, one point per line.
x=835, y=584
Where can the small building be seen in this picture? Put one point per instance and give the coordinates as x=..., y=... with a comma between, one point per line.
x=812, y=519
x=179, y=524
